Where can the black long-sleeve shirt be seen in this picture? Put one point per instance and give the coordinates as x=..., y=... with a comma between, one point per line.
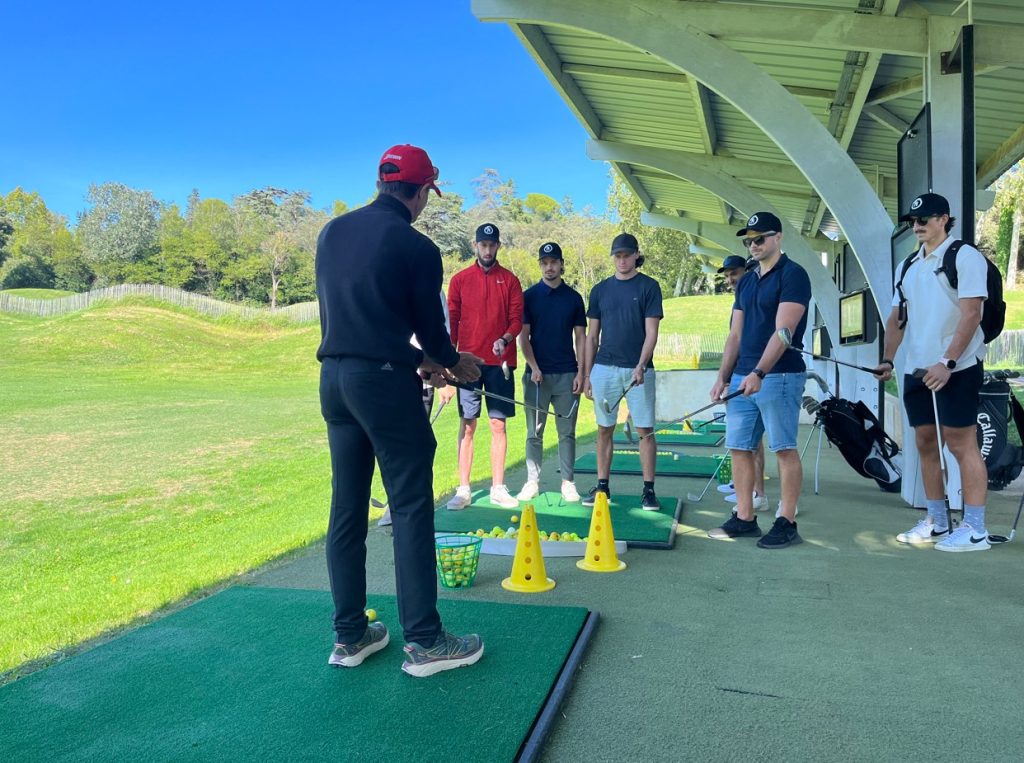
x=378, y=281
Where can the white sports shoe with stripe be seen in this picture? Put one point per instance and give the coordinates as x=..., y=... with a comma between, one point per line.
x=964, y=538
x=922, y=533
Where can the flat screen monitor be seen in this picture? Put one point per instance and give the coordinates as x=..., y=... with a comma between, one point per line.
x=821, y=345
x=854, y=318
x=914, y=159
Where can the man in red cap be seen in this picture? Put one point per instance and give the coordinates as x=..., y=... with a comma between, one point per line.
x=378, y=281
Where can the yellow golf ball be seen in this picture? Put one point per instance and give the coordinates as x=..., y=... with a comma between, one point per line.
x=371, y=615
x=515, y=518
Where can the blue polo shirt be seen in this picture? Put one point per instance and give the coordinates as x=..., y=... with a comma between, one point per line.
x=759, y=298
x=552, y=314
x=623, y=307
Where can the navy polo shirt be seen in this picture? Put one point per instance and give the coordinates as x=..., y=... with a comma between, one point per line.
x=759, y=298
x=623, y=307
x=552, y=314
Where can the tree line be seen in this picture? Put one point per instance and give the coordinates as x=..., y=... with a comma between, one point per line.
x=259, y=247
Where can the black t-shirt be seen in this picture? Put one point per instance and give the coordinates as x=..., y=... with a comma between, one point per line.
x=552, y=314
x=622, y=307
x=759, y=299
x=377, y=281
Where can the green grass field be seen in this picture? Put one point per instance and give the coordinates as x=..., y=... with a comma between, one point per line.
x=37, y=293
x=149, y=453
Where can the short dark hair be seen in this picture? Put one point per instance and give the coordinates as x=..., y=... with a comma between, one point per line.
x=398, y=188
x=950, y=223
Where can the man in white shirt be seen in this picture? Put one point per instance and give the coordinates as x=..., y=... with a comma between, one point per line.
x=941, y=327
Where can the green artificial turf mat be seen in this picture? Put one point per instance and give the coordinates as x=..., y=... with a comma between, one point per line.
x=699, y=425
x=673, y=438
x=243, y=675
x=630, y=523
x=666, y=464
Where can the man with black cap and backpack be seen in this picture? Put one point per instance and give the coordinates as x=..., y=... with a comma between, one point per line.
x=624, y=312
x=554, y=329
x=937, y=310
x=485, y=304
x=774, y=295
x=378, y=281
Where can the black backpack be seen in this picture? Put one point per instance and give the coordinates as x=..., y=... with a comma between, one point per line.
x=855, y=430
x=994, y=314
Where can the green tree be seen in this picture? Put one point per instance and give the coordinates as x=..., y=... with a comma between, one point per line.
x=41, y=244
x=445, y=223
x=119, y=233
x=541, y=206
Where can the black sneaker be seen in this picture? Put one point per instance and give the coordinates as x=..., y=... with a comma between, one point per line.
x=592, y=495
x=649, y=501
x=735, y=527
x=782, y=534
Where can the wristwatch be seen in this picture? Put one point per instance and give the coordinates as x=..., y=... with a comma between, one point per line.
x=758, y=373
x=891, y=364
x=950, y=364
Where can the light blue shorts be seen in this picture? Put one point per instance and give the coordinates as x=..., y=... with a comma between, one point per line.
x=609, y=382
x=775, y=410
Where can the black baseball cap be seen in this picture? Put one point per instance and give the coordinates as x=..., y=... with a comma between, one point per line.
x=625, y=242
x=488, y=232
x=552, y=250
x=732, y=261
x=761, y=222
x=927, y=205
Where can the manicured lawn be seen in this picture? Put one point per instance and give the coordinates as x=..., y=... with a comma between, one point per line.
x=37, y=293
x=149, y=453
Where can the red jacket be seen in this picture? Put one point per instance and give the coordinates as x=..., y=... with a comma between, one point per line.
x=483, y=306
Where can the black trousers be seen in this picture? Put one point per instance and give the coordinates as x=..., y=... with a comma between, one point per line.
x=371, y=412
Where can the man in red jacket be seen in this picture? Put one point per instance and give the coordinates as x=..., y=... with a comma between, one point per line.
x=485, y=303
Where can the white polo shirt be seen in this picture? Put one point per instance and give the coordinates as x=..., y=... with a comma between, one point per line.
x=933, y=308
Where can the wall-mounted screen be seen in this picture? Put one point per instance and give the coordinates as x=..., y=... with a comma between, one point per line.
x=858, y=320
x=821, y=344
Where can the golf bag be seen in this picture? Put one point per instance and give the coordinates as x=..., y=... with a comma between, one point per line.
x=1003, y=457
x=853, y=428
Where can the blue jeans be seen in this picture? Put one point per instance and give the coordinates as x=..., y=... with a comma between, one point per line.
x=775, y=410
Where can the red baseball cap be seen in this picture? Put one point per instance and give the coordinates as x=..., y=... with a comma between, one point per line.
x=414, y=166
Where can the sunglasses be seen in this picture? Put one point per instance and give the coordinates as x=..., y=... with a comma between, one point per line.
x=758, y=241
x=920, y=220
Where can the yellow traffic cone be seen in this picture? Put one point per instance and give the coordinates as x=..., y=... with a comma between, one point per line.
x=600, y=555
x=528, y=573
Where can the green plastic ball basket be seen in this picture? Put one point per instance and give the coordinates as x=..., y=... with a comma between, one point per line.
x=725, y=473
x=457, y=559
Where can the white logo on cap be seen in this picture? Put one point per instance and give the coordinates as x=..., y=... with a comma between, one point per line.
x=488, y=229
x=547, y=247
x=752, y=220
x=917, y=203
x=393, y=156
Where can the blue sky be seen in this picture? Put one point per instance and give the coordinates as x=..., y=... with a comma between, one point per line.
x=230, y=97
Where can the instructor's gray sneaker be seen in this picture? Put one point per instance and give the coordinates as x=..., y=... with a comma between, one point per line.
x=352, y=655
x=449, y=651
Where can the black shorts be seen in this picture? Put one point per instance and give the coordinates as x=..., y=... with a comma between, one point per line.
x=491, y=380
x=958, y=400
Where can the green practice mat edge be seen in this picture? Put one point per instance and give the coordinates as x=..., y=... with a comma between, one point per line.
x=638, y=528
x=243, y=674
x=671, y=437
x=666, y=464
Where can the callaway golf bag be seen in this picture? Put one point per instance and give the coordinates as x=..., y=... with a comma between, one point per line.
x=858, y=435
x=1002, y=451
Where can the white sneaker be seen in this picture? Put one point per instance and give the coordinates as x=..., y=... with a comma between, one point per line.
x=501, y=497
x=964, y=538
x=923, y=532
x=569, y=492
x=730, y=488
x=530, y=491
x=462, y=498
x=778, y=511
x=759, y=501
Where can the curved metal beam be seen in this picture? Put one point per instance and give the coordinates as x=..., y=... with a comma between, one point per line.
x=723, y=235
x=739, y=196
x=656, y=27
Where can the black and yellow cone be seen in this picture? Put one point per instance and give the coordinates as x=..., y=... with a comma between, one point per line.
x=600, y=555
x=528, y=573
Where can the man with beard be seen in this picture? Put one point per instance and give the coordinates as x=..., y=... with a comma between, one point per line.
x=485, y=305
x=554, y=327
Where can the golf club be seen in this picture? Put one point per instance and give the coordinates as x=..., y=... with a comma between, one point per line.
x=513, y=400
x=438, y=412
x=1013, y=530
x=377, y=504
x=627, y=428
x=697, y=498
x=786, y=337
x=690, y=415
x=541, y=417
x=604, y=401
x=506, y=372
x=919, y=373
x=822, y=384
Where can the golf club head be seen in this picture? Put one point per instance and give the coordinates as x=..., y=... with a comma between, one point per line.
x=604, y=405
x=506, y=372
x=693, y=497
x=786, y=337
x=1000, y=538
x=822, y=384
x=810, y=405
x=377, y=504
x=628, y=429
